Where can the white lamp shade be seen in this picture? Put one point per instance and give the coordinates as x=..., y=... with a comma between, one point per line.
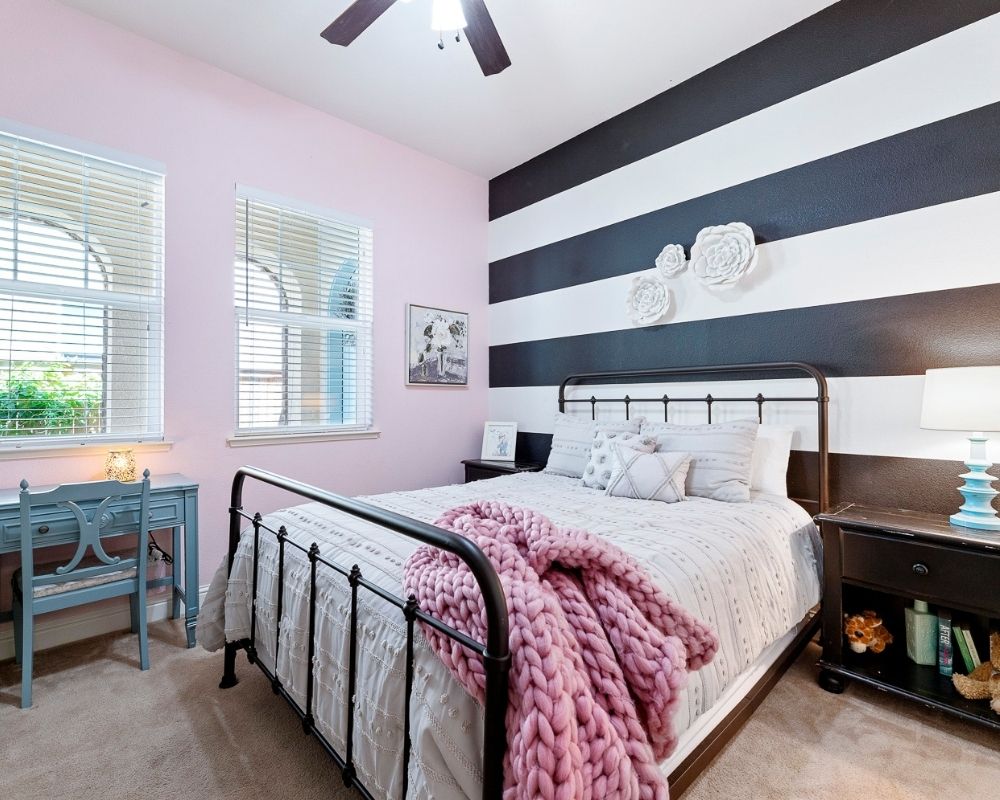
x=446, y=15
x=961, y=399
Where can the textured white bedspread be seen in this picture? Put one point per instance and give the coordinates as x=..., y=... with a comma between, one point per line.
x=747, y=569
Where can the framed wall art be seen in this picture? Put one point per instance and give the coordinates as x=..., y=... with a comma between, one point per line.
x=437, y=347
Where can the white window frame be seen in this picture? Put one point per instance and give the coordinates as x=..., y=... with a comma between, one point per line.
x=242, y=437
x=41, y=445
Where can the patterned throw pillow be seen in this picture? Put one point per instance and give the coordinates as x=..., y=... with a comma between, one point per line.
x=598, y=470
x=648, y=476
x=572, y=438
x=721, y=455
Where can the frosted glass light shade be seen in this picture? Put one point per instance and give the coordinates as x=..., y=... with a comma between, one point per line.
x=961, y=399
x=446, y=15
x=120, y=466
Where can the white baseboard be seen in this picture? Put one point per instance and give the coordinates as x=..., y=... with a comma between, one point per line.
x=63, y=629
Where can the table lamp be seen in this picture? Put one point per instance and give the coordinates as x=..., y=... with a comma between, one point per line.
x=120, y=466
x=967, y=399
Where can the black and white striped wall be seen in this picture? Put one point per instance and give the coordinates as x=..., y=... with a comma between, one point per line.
x=862, y=145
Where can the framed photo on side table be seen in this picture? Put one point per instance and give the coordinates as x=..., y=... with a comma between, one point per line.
x=499, y=441
x=437, y=347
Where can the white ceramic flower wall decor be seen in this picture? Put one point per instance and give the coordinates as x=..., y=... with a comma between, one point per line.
x=671, y=261
x=648, y=299
x=723, y=255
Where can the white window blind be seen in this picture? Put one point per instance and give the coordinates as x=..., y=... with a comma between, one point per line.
x=303, y=294
x=81, y=295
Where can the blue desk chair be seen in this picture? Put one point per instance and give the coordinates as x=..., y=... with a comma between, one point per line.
x=81, y=580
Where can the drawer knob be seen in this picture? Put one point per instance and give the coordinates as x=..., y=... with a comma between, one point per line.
x=43, y=528
x=921, y=569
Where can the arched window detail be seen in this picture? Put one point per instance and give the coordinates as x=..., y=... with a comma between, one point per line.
x=53, y=346
x=303, y=304
x=263, y=346
x=342, y=348
x=81, y=298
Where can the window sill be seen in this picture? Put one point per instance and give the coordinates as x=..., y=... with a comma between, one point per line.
x=255, y=440
x=28, y=451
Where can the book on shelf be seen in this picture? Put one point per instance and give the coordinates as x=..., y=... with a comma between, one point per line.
x=962, y=645
x=945, y=653
x=973, y=652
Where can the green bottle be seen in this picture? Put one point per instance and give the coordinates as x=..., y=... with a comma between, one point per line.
x=921, y=634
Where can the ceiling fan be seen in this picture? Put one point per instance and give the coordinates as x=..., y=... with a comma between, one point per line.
x=446, y=15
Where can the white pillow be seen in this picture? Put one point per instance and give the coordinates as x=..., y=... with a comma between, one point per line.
x=598, y=470
x=572, y=438
x=769, y=465
x=648, y=476
x=721, y=454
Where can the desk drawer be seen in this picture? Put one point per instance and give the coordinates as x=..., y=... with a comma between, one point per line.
x=942, y=574
x=165, y=511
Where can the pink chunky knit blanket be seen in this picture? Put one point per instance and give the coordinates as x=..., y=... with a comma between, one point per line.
x=599, y=653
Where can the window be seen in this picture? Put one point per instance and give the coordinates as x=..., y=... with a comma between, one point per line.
x=80, y=298
x=303, y=295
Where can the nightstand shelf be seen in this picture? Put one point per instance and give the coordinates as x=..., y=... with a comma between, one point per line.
x=893, y=672
x=884, y=559
x=477, y=469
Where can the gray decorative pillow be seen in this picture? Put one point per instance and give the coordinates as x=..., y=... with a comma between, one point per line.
x=572, y=438
x=721, y=456
x=598, y=470
x=648, y=476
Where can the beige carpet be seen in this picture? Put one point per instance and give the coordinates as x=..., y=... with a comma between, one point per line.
x=103, y=730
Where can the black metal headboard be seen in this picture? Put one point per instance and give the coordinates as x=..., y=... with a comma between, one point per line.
x=780, y=369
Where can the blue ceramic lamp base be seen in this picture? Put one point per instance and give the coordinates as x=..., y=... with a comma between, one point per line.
x=977, y=511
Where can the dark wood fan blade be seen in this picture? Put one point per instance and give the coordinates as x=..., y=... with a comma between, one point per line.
x=355, y=19
x=483, y=38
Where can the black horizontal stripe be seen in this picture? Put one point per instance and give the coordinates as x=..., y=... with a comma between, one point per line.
x=919, y=484
x=841, y=39
x=902, y=335
x=534, y=446
x=951, y=159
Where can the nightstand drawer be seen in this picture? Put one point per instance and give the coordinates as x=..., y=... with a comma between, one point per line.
x=942, y=574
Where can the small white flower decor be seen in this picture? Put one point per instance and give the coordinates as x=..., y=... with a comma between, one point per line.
x=723, y=255
x=671, y=261
x=648, y=300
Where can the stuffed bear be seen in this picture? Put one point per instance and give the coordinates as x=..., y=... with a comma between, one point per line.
x=983, y=683
x=866, y=632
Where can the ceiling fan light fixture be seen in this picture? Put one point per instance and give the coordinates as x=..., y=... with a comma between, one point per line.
x=447, y=15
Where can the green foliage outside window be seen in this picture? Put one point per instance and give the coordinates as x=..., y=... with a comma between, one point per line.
x=49, y=399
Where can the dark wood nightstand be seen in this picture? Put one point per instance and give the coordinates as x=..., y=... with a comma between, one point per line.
x=882, y=559
x=478, y=470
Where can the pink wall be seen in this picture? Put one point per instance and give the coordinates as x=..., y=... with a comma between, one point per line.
x=76, y=76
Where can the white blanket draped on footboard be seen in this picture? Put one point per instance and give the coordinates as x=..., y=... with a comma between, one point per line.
x=749, y=570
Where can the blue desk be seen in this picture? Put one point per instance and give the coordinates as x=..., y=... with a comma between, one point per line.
x=173, y=504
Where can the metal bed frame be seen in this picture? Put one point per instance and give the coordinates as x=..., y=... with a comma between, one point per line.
x=495, y=651
x=821, y=399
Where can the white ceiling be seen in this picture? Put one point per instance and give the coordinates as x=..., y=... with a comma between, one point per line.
x=575, y=62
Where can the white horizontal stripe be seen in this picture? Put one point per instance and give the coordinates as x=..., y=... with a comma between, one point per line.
x=877, y=416
x=940, y=247
x=946, y=76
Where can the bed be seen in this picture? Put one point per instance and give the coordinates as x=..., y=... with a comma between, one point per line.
x=331, y=571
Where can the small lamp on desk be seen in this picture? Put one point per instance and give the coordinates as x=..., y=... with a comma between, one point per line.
x=120, y=466
x=967, y=399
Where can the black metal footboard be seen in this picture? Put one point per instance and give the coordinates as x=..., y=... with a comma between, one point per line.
x=495, y=652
